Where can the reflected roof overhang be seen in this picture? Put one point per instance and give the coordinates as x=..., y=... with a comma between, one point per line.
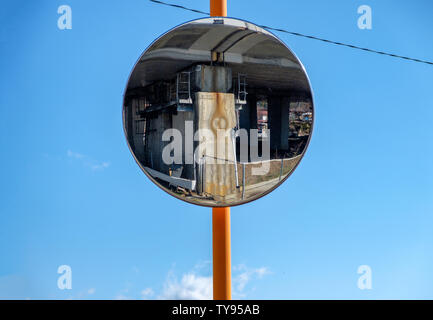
x=248, y=49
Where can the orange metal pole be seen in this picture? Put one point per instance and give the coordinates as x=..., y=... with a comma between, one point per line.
x=218, y=8
x=222, y=273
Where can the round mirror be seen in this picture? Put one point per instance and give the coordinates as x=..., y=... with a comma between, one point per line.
x=218, y=112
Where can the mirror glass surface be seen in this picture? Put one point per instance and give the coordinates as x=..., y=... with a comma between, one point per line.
x=218, y=112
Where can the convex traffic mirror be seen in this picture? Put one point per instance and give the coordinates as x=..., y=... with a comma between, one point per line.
x=218, y=112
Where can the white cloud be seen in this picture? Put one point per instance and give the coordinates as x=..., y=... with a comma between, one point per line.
x=146, y=293
x=75, y=155
x=198, y=287
x=191, y=287
x=88, y=161
x=203, y=266
x=123, y=295
x=243, y=275
x=82, y=294
x=99, y=166
x=194, y=285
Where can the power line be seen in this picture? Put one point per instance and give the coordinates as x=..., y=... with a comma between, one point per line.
x=180, y=7
x=307, y=36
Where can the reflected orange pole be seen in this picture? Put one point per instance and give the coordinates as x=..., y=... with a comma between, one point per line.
x=222, y=273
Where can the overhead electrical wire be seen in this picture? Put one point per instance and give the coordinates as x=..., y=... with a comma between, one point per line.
x=307, y=36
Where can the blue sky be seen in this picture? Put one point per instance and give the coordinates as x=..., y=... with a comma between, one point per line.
x=71, y=193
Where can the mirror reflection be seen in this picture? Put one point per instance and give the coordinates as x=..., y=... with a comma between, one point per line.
x=218, y=112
